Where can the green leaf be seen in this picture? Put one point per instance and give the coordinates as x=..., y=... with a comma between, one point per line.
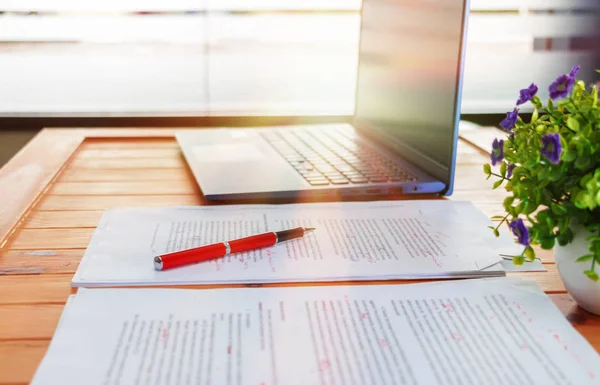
x=582, y=163
x=585, y=258
x=547, y=243
x=592, y=185
x=498, y=183
x=530, y=253
x=519, y=260
x=565, y=238
x=592, y=275
x=503, y=169
x=546, y=197
x=537, y=195
x=563, y=225
x=496, y=232
x=558, y=209
x=573, y=123
x=569, y=156
x=535, y=115
x=487, y=170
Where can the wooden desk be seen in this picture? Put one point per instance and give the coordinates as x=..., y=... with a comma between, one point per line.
x=52, y=195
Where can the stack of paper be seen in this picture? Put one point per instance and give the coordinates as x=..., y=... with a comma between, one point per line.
x=490, y=331
x=353, y=241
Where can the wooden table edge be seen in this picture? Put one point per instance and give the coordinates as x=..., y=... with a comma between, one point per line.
x=28, y=176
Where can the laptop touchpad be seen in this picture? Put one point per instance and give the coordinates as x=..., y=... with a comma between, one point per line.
x=228, y=152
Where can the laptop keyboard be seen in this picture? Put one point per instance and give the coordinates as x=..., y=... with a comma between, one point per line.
x=334, y=158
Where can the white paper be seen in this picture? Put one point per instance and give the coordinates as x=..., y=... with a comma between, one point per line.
x=353, y=241
x=489, y=331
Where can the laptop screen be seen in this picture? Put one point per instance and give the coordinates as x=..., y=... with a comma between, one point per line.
x=409, y=78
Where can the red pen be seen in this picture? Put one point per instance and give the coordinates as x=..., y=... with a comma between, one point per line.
x=221, y=249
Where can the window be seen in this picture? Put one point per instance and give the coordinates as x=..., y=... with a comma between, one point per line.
x=253, y=57
x=512, y=43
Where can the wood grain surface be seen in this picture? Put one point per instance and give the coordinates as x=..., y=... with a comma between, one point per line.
x=48, y=228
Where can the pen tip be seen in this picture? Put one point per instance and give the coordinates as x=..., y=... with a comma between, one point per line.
x=309, y=229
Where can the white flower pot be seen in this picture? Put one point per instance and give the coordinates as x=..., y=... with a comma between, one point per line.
x=585, y=291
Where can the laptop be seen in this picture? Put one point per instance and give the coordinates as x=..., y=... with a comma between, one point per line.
x=403, y=135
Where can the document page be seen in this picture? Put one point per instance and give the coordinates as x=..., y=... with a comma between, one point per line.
x=490, y=331
x=379, y=240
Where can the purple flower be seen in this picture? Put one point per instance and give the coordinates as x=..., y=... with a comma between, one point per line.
x=520, y=231
x=497, y=151
x=563, y=84
x=527, y=94
x=509, y=170
x=574, y=71
x=551, y=147
x=511, y=119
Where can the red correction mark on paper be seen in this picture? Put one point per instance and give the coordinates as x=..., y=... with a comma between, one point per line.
x=591, y=375
x=576, y=357
x=524, y=347
x=523, y=312
x=560, y=342
x=346, y=298
x=324, y=305
x=324, y=365
x=556, y=337
x=364, y=315
x=383, y=343
x=270, y=262
x=428, y=253
x=449, y=308
x=165, y=334
x=457, y=337
x=229, y=349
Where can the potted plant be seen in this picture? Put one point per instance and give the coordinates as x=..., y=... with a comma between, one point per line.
x=550, y=165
